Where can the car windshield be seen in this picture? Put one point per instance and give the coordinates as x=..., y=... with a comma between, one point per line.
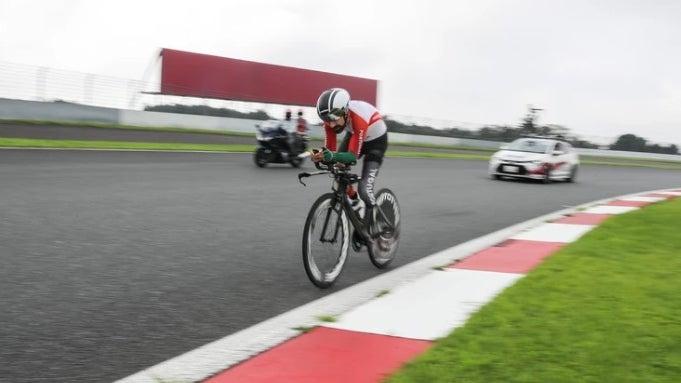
x=532, y=146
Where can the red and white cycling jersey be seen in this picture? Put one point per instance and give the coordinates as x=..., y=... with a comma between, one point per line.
x=365, y=123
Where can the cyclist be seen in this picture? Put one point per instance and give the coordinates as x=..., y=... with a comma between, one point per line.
x=366, y=136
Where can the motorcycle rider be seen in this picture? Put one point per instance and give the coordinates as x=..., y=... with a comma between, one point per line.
x=366, y=136
x=285, y=139
x=301, y=125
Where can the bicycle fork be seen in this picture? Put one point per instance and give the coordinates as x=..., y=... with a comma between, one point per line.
x=327, y=220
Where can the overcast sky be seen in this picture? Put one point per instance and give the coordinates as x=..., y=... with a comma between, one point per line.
x=601, y=68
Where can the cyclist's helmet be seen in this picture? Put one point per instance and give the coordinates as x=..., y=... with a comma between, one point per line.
x=332, y=105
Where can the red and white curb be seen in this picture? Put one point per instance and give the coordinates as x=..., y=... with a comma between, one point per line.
x=387, y=321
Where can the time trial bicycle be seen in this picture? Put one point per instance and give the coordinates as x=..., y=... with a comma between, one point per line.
x=327, y=236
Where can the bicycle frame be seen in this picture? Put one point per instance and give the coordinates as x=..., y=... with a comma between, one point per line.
x=342, y=180
x=326, y=226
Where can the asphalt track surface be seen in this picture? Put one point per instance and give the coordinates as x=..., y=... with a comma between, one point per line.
x=113, y=261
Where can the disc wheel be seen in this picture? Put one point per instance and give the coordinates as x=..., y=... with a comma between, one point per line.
x=383, y=249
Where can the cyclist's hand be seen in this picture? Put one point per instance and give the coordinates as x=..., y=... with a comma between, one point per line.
x=328, y=155
x=316, y=155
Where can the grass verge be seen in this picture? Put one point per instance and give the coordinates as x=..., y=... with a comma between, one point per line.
x=81, y=144
x=124, y=127
x=87, y=144
x=602, y=309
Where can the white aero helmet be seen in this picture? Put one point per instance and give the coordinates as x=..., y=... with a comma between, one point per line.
x=332, y=104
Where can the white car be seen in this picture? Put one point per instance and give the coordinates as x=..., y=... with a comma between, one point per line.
x=538, y=158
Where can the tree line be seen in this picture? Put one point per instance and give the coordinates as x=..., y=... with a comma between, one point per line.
x=205, y=110
x=504, y=133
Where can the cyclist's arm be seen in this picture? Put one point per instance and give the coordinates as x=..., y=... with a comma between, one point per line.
x=330, y=142
x=329, y=138
x=360, y=128
x=342, y=157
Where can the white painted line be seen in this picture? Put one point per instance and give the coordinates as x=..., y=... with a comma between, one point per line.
x=669, y=192
x=606, y=209
x=554, y=232
x=642, y=199
x=428, y=308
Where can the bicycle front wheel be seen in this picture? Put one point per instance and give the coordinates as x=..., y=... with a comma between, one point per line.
x=383, y=249
x=325, y=241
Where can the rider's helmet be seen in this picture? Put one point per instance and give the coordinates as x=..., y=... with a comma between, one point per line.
x=333, y=104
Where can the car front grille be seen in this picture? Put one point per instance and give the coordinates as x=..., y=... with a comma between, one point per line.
x=504, y=169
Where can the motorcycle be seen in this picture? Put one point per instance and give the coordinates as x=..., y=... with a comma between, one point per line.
x=276, y=145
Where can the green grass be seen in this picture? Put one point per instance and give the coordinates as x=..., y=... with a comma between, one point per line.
x=638, y=162
x=125, y=127
x=304, y=329
x=606, y=308
x=449, y=147
x=327, y=318
x=87, y=144
x=460, y=156
x=82, y=144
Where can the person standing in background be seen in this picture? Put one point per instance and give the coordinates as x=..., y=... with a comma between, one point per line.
x=301, y=124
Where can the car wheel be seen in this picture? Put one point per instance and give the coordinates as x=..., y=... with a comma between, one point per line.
x=573, y=174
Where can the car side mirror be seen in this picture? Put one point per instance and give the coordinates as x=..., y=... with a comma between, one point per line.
x=558, y=152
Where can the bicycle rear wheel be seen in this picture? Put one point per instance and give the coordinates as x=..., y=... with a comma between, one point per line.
x=325, y=241
x=384, y=247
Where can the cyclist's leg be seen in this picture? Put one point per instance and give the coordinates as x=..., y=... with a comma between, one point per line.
x=373, y=152
x=343, y=147
x=345, y=143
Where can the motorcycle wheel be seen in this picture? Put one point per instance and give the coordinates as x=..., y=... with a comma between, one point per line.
x=260, y=158
x=296, y=161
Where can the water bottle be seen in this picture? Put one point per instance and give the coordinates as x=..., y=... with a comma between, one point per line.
x=356, y=203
